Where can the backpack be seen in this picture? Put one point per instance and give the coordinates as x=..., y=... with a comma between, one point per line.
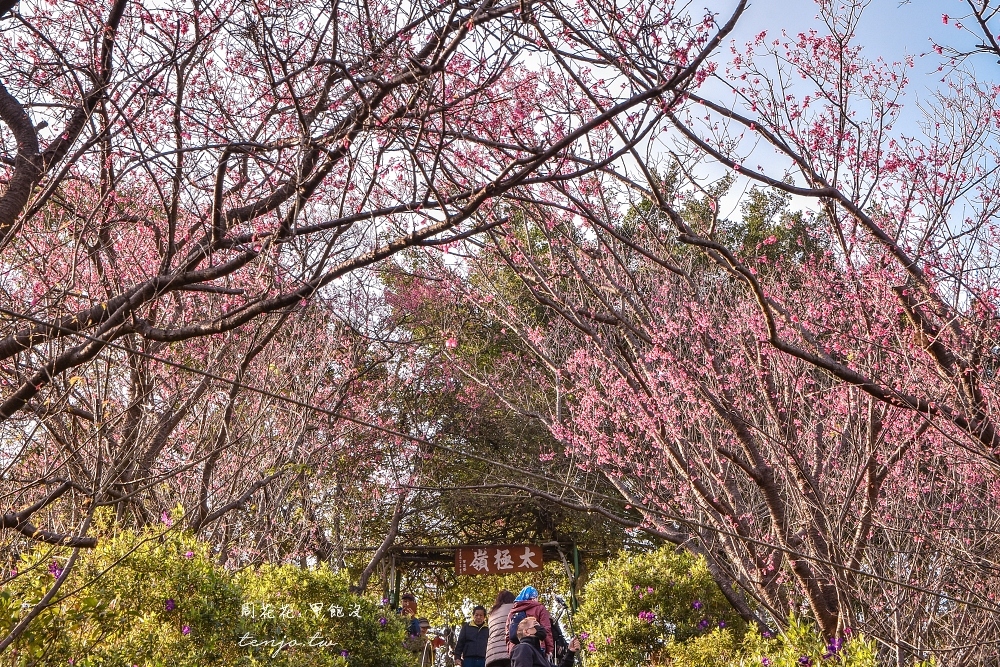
x=515, y=620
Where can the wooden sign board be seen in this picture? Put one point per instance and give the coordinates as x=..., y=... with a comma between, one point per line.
x=503, y=559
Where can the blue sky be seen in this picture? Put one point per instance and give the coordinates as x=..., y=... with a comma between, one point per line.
x=889, y=28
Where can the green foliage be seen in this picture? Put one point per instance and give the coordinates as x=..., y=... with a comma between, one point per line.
x=115, y=607
x=445, y=334
x=637, y=606
x=663, y=608
x=331, y=618
x=718, y=647
x=160, y=600
x=769, y=231
x=798, y=646
x=800, y=639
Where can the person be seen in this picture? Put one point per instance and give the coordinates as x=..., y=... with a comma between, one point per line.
x=408, y=607
x=496, y=650
x=470, y=649
x=423, y=645
x=436, y=640
x=527, y=602
x=427, y=652
x=558, y=639
x=528, y=651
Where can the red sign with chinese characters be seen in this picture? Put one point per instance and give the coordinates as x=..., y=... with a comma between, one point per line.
x=502, y=559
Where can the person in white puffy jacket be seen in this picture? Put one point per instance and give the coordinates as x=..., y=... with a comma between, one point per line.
x=496, y=648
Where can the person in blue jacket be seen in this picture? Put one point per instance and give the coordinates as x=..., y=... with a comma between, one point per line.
x=470, y=650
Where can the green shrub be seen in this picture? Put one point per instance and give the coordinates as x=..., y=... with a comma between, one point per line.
x=799, y=646
x=637, y=606
x=160, y=601
x=315, y=607
x=141, y=601
x=663, y=608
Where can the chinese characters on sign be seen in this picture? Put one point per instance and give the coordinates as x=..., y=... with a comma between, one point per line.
x=267, y=610
x=502, y=559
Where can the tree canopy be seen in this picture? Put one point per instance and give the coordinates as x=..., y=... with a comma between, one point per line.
x=313, y=283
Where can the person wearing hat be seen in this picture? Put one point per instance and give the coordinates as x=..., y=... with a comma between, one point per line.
x=422, y=645
x=408, y=608
x=526, y=604
x=427, y=652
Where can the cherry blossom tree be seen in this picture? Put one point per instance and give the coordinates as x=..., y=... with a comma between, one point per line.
x=183, y=171
x=807, y=399
x=196, y=199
